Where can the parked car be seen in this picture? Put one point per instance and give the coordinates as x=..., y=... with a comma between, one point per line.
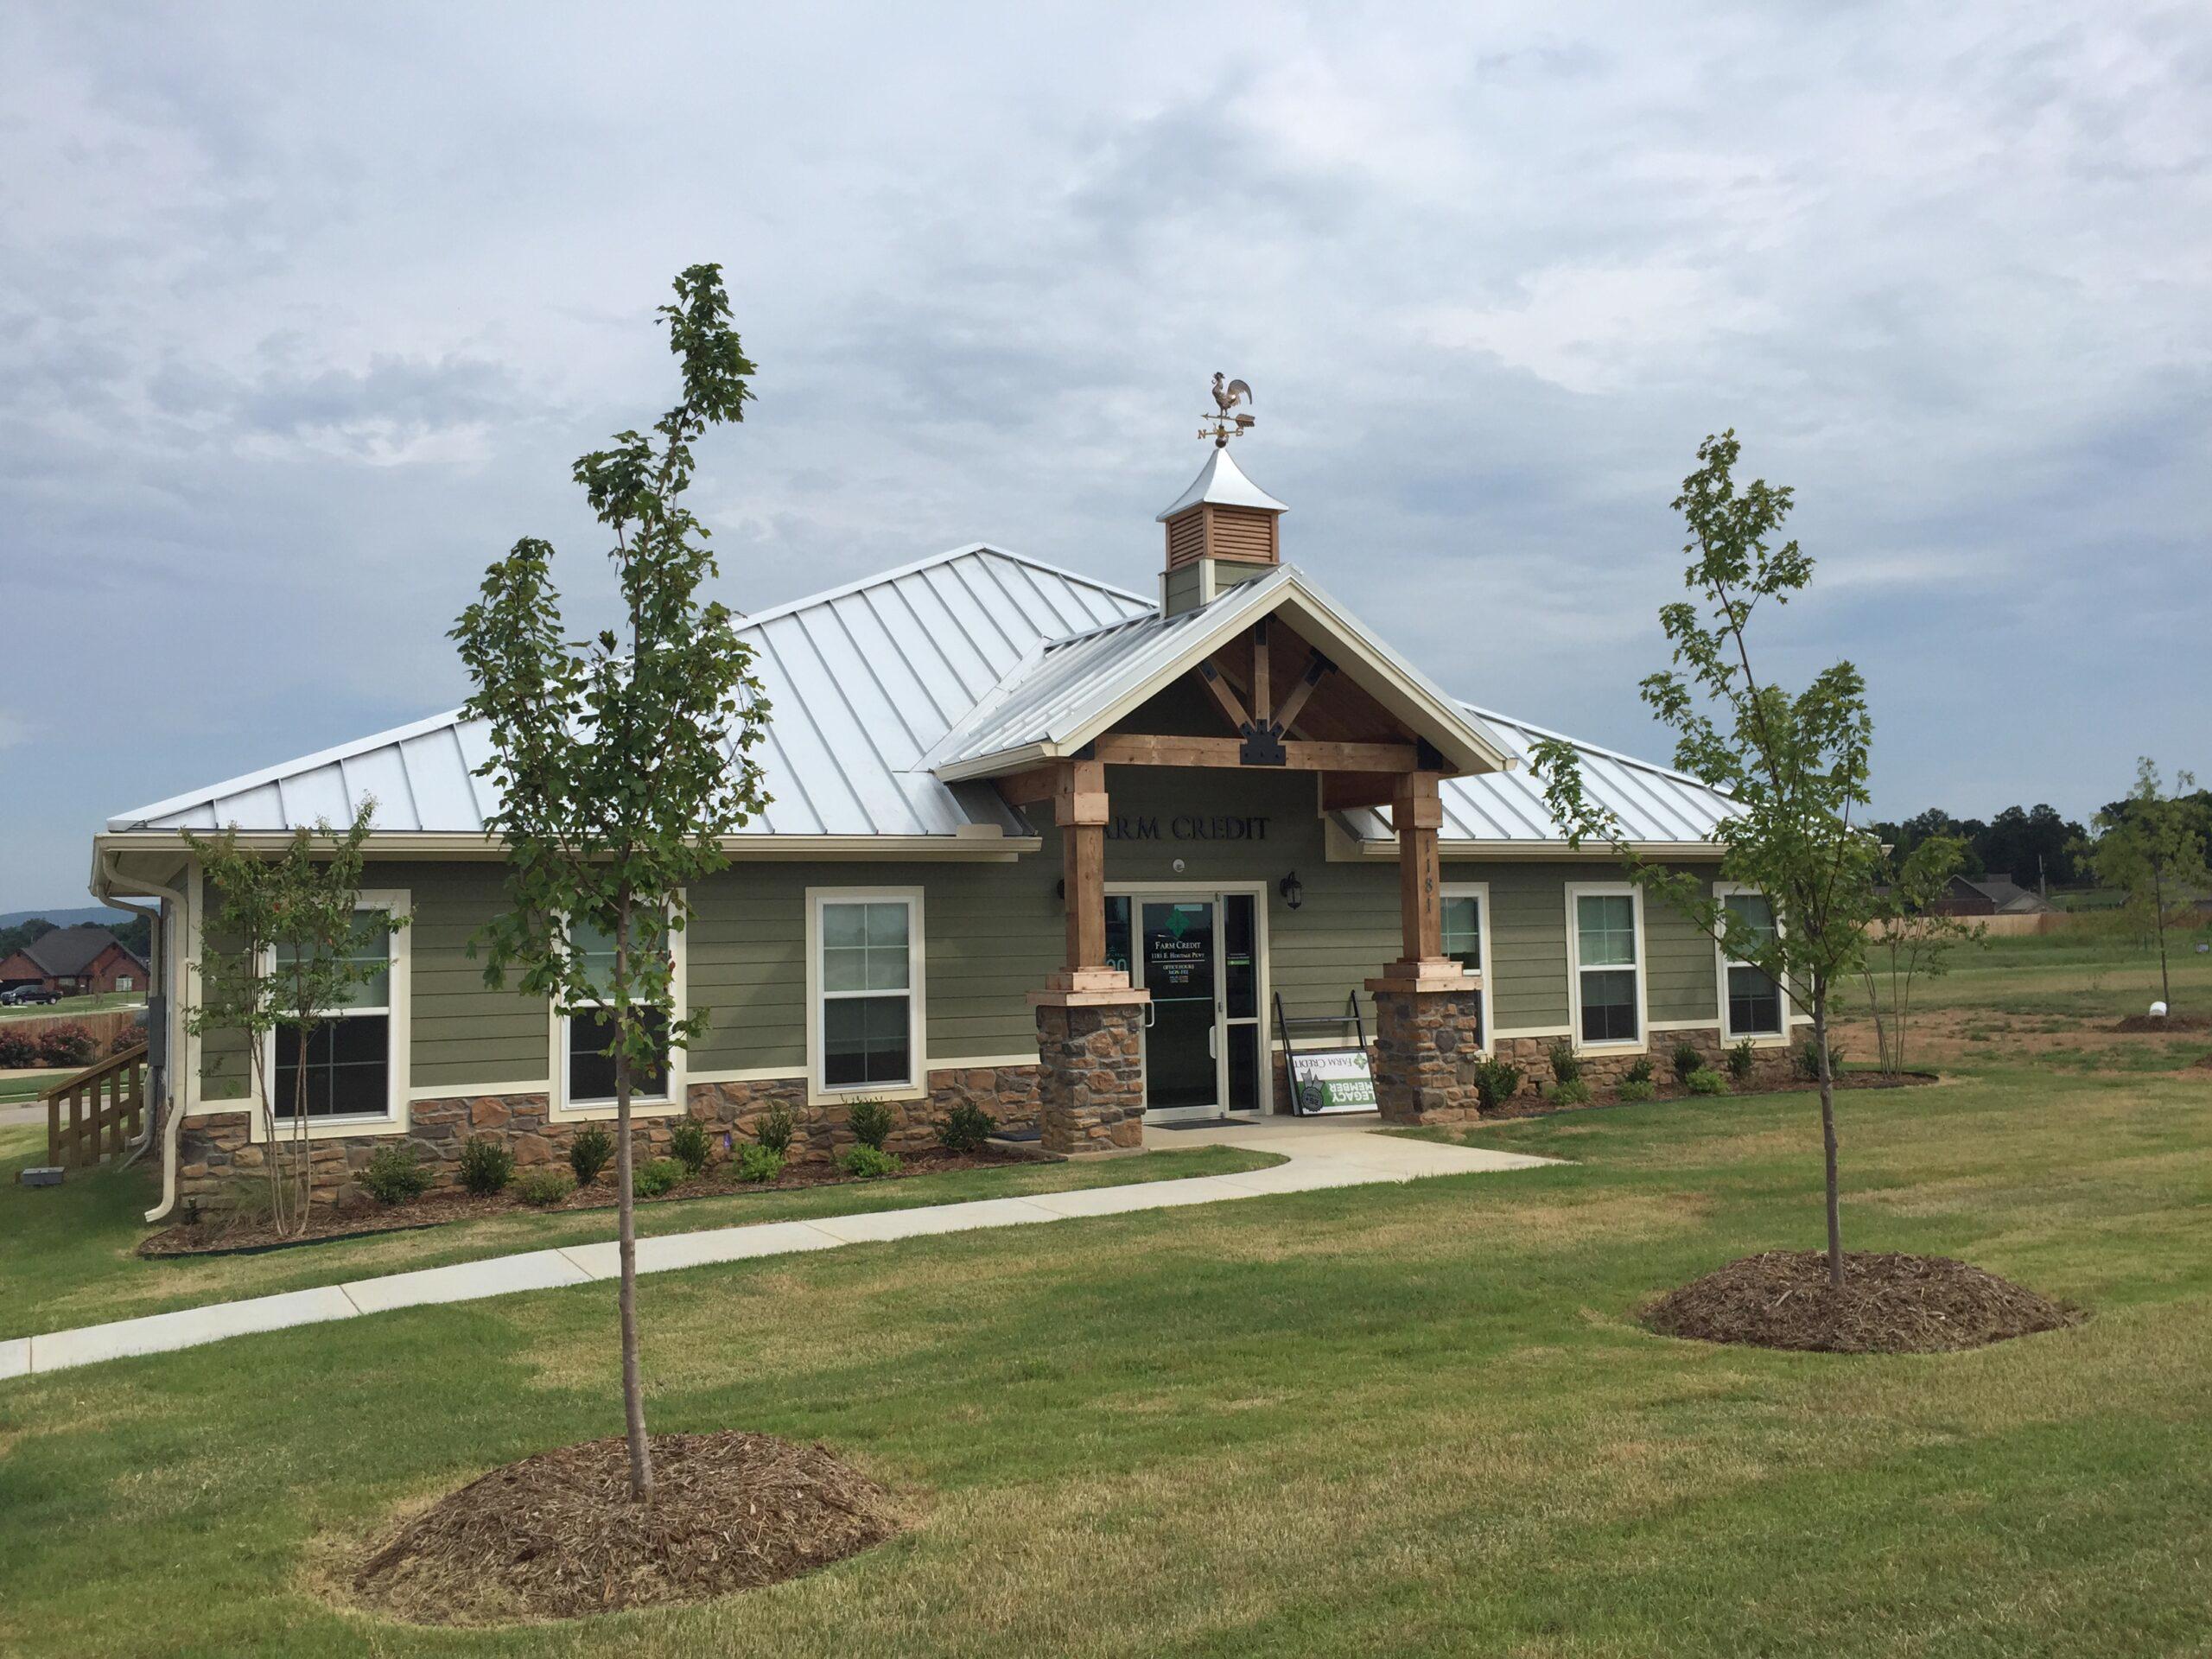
x=25, y=995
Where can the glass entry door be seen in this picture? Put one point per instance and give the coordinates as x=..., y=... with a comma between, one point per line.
x=1177, y=940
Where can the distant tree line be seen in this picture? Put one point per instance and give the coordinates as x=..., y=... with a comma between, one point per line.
x=2030, y=844
x=136, y=934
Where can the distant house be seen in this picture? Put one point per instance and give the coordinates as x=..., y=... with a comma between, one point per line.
x=1989, y=895
x=74, y=960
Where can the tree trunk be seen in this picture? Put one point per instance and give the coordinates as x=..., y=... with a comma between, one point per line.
x=303, y=1195
x=2159, y=921
x=634, y=1387
x=1827, y=1130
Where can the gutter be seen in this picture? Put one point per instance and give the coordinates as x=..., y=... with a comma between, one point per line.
x=168, y=1124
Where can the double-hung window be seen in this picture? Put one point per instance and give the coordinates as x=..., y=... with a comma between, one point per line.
x=1607, y=936
x=1466, y=907
x=588, y=1039
x=346, y=1058
x=1754, y=999
x=865, y=981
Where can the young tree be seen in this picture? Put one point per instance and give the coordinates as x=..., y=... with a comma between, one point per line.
x=2152, y=846
x=622, y=761
x=282, y=948
x=1909, y=940
x=1796, y=767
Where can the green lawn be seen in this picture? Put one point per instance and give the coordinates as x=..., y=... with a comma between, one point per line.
x=67, y=1253
x=18, y=1088
x=1377, y=1420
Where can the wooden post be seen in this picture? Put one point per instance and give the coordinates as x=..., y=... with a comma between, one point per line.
x=1263, y=691
x=1418, y=813
x=1079, y=807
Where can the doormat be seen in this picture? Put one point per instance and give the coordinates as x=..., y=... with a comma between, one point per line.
x=1198, y=1123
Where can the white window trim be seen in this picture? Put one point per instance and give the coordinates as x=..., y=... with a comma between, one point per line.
x=1722, y=891
x=399, y=980
x=1480, y=892
x=675, y=1102
x=1576, y=891
x=917, y=1087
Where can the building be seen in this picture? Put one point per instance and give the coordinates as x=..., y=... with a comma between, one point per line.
x=1993, y=895
x=1035, y=842
x=75, y=961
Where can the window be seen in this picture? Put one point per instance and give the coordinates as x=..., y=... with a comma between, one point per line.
x=1754, y=998
x=1467, y=906
x=123, y=981
x=589, y=1034
x=866, y=979
x=1608, y=987
x=347, y=1058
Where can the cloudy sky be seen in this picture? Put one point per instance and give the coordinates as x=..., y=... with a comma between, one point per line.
x=305, y=311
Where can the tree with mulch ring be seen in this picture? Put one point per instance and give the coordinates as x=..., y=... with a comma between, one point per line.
x=557, y=1536
x=1889, y=1304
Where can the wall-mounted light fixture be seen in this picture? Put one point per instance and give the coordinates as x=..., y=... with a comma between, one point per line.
x=1293, y=890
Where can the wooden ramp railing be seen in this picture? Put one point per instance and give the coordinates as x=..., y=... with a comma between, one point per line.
x=99, y=1112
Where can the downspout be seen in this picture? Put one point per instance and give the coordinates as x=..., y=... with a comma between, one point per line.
x=169, y=1123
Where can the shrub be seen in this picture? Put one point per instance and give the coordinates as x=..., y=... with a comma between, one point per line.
x=1496, y=1083
x=543, y=1188
x=650, y=1180
x=1809, y=1060
x=66, y=1045
x=1707, y=1081
x=18, y=1052
x=868, y=1162
x=485, y=1165
x=966, y=1128
x=1640, y=1071
x=1686, y=1060
x=129, y=1038
x=1572, y=1092
x=870, y=1123
x=1637, y=1089
x=688, y=1145
x=774, y=1130
x=1740, y=1061
x=759, y=1164
x=1567, y=1066
x=396, y=1175
x=590, y=1149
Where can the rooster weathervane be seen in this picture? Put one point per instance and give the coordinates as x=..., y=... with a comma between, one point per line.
x=1226, y=424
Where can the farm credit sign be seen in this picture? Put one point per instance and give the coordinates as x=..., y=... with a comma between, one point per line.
x=1187, y=826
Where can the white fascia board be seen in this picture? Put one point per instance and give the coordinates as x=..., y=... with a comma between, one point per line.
x=975, y=843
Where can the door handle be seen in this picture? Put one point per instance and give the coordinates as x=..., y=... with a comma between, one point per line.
x=1213, y=1033
x=1150, y=1014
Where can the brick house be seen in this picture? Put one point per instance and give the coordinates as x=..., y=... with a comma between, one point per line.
x=76, y=961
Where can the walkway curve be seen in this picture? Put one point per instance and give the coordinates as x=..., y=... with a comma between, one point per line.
x=1321, y=1152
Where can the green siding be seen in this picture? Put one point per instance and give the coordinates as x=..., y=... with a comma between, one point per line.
x=463, y=1032
x=994, y=931
x=1182, y=589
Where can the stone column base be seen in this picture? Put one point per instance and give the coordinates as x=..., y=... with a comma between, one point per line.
x=1090, y=1071
x=1426, y=1048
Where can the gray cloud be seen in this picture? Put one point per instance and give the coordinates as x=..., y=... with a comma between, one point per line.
x=303, y=317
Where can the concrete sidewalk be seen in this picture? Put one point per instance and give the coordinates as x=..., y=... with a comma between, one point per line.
x=1322, y=1153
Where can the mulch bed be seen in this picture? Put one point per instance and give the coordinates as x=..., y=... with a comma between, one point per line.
x=1889, y=1304
x=1535, y=1105
x=2153, y=1022
x=557, y=1536
x=328, y=1223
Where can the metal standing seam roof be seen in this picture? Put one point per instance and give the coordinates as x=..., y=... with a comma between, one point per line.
x=863, y=680
x=966, y=653
x=1655, y=805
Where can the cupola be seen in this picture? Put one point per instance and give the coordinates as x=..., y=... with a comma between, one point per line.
x=1225, y=529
